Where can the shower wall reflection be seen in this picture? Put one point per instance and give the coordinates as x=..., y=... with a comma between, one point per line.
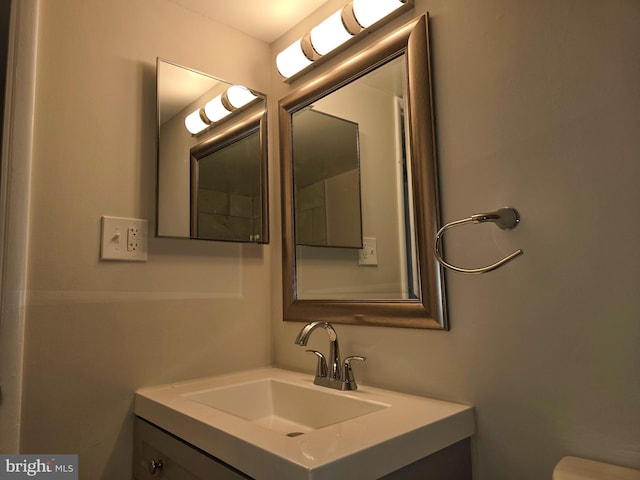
x=226, y=201
x=326, y=175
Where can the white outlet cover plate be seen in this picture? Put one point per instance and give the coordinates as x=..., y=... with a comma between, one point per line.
x=116, y=233
x=368, y=255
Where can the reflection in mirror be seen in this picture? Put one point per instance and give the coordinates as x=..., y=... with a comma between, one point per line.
x=226, y=190
x=326, y=180
x=386, y=90
x=181, y=93
x=374, y=102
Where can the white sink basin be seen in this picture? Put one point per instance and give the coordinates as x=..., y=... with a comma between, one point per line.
x=276, y=424
x=285, y=407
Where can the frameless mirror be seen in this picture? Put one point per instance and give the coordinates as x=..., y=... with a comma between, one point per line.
x=212, y=185
x=326, y=178
x=394, y=280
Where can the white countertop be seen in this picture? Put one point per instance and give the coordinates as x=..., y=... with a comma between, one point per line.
x=368, y=446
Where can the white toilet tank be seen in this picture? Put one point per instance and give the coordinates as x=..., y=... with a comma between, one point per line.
x=574, y=468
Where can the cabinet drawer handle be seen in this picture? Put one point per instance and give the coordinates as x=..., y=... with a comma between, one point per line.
x=154, y=466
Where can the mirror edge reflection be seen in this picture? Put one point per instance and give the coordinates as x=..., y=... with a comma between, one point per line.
x=429, y=312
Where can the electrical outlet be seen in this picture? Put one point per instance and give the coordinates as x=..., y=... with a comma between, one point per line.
x=124, y=239
x=368, y=255
x=133, y=239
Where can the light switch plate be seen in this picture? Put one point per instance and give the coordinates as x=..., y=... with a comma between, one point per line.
x=124, y=239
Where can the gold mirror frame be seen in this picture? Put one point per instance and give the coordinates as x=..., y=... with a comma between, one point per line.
x=430, y=310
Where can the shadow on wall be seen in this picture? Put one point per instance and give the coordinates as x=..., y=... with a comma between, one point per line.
x=122, y=448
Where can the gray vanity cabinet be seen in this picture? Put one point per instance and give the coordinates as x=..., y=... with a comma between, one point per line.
x=160, y=455
x=450, y=463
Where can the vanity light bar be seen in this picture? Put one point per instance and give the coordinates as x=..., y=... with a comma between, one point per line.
x=334, y=31
x=233, y=98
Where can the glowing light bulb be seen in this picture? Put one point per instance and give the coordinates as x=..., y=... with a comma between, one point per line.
x=368, y=12
x=239, y=96
x=330, y=34
x=194, y=122
x=215, y=110
x=292, y=59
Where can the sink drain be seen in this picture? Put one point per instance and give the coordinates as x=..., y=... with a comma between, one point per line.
x=295, y=434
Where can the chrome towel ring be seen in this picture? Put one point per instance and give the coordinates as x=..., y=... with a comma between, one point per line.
x=506, y=218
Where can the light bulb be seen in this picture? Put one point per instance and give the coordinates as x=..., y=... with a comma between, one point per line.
x=194, y=122
x=292, y=59
x=215, y=110
x=330, y=34
x=368, y=12
x=239, y=96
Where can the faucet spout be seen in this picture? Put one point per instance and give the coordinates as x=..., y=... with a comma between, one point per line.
x=305, y=333
x=334, y=350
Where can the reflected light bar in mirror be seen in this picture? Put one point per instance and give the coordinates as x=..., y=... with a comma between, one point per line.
x=239, y=96
x=195, y=123
x=232, y=99
x=368, y=12
x=334, y=31
x=215, y=109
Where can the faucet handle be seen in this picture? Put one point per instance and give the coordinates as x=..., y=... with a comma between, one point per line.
x=348, y=372
x=321, y=366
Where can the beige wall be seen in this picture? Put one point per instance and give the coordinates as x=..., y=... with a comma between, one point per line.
x=96, y=331
x=537, y=107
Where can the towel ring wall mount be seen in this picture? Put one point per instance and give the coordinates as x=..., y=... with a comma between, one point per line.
x=506, y=218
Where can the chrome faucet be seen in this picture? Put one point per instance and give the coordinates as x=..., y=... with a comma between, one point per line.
x=336, y=376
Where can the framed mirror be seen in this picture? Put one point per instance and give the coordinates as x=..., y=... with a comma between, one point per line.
x=212, y=173
x=394, y=279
